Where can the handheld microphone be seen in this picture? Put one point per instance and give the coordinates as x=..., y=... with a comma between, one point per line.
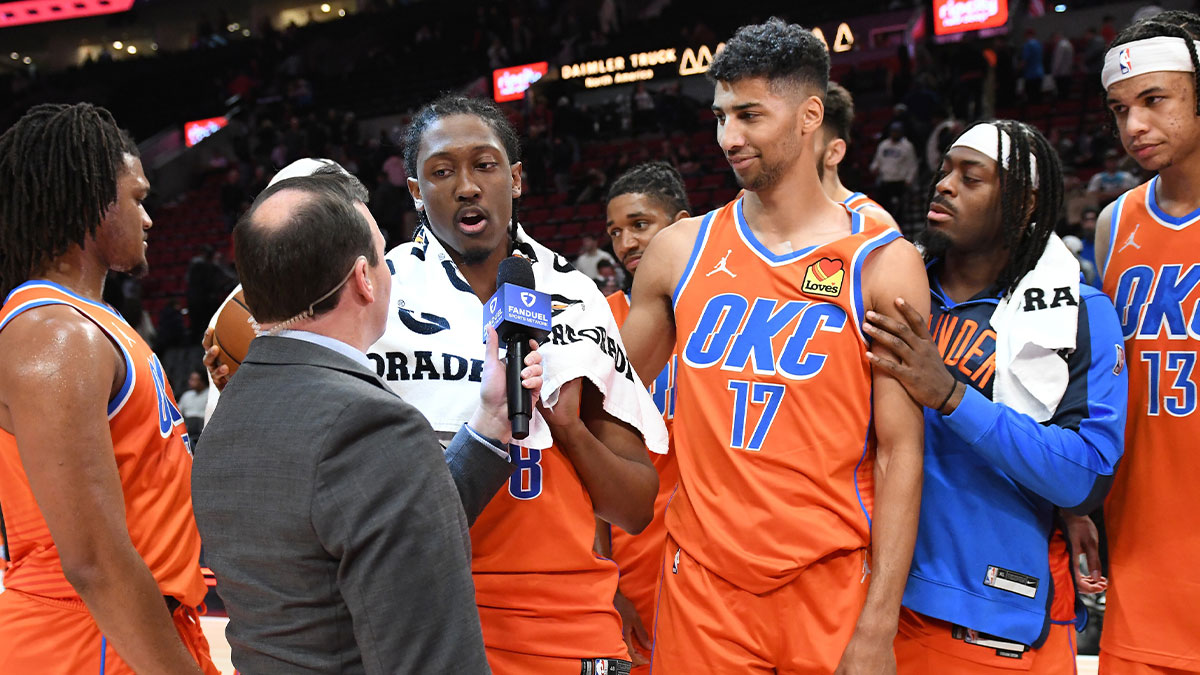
x=519, y=314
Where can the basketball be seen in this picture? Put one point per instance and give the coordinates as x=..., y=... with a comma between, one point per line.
x=234, y=331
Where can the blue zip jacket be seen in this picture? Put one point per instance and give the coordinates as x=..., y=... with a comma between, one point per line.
x=994, y=477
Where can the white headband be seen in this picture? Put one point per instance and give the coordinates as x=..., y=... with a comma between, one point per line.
x=984, y=138
x=1152, y=55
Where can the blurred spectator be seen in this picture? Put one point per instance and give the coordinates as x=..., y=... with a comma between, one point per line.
x=644, y=118
x=588, y=260
x=895, y=166
x=607, y=277
x=391, y=201
x=1094, y=48
x=1112, y=181
x=192, y=402
x=1086, y=268
x=1062, y=59
x=1108, y=29
x=233, y=197
x=171, y=329
x=594, y=190
x=203, y=292
x=1033, y=72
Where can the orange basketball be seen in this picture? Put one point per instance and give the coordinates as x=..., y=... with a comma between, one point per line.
x=234, y=331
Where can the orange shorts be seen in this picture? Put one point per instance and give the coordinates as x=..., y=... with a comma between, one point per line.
x=43, y=635
x=503, y=662
x=1115, y=665
x=707, y=625
x=926, y=645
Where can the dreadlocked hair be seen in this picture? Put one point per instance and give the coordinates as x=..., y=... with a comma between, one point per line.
x=658, y=180
x=1028, y=213
x=59, y=166
x=1173, y=23
x=449, y=105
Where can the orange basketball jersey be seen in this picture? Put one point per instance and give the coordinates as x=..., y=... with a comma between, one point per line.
x=774, y=402
x=858, y=201
x=1153, y=277
x=532, y=549
x=640, y=556
x=151, y=451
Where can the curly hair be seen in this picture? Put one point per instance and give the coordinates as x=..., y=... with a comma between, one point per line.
x=775, y=50
x=659, y=181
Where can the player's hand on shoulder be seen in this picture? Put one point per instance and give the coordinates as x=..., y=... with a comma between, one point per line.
x=904, y=350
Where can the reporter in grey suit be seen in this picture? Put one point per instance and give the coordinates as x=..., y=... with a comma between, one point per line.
x=332, y=519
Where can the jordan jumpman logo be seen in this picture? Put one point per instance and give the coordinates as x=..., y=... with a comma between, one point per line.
x=721, y=266
x=1130, y=242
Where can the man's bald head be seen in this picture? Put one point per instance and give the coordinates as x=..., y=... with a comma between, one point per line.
x=296, y=243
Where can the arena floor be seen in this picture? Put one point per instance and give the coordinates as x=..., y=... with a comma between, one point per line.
x=214, y=630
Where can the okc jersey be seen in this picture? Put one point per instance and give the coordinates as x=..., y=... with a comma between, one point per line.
x=859, y=201
x=151, y=451
x=775, y=443
x=640, y=556
x=1154, y=281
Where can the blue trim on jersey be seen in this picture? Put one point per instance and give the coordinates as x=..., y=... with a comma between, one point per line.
x=662, y=575
x=863, y=456
x=1113, y=223
x=856, y=265
x=73, y=294
x=1152, y=204
x=33, y=304
x=856, y=221
x=701, y=240
x=117, y=401
x=103, y=652
x=748, y=235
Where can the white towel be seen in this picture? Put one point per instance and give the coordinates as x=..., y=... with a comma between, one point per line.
x=430, y=295
x=1033, y=325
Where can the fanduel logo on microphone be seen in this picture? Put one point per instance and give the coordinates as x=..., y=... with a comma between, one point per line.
x=517, y=307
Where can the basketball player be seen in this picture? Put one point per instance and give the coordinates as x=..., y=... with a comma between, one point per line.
x=788, y=473
x=104, y=572
x=990, y=589
x=831, y=150
x=545, y=600
x=641, y=203
x=1145, y=252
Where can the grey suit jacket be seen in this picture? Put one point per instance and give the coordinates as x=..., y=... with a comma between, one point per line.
x=337, y=533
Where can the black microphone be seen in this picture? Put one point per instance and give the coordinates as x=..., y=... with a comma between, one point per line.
x=519, y=314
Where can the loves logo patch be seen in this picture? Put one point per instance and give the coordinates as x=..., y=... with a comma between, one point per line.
x=824, y=277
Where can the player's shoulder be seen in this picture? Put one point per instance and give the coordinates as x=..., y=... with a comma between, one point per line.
x=47, y=337
x=874, y=211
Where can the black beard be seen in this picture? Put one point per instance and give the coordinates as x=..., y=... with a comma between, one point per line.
x=476, y=256
x=935, y=243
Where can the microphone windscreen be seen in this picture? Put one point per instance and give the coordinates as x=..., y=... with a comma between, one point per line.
x=515, y=270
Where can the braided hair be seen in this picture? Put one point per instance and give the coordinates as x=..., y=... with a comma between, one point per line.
x=59, y=166
x=657, y=180
x=1174, y=23
x=449, y=105
x=1028, y=212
